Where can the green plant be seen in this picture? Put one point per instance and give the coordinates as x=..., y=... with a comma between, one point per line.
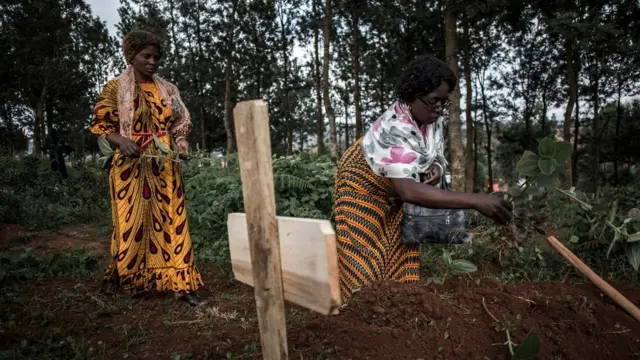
x=603, y=221
x=455, y=266
x=530, y=346
x=22, y=264
x=542, y=168
x=171, y=154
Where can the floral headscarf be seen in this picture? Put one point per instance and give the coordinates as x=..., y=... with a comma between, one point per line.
x=396, y=147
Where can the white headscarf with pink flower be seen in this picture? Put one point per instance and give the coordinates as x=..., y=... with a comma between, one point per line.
x=396, y=147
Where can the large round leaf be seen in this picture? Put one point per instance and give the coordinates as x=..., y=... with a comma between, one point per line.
x=563, y=151
x=547, y=166
x=548, y=181
x=105, y=147
x=528, y=165
x=547, y=148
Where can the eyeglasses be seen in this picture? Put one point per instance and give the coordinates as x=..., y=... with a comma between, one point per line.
x=432, y=103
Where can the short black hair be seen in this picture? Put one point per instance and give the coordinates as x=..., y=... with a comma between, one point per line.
x=422, y=76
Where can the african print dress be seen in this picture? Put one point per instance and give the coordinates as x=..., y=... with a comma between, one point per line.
x=368, y=213
x=151, y=245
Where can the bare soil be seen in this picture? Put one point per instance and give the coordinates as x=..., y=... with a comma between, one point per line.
x=67, y=317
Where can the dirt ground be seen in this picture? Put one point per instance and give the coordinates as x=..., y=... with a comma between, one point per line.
x=68, y=318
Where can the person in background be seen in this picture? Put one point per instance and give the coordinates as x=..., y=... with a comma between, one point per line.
x=57, y=150
x=398, y=160
x=151, y=244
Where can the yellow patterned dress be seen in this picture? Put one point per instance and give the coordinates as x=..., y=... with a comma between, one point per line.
x=151, y=245
x=368, y=213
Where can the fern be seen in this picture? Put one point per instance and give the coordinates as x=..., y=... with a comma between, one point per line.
x=291, y=182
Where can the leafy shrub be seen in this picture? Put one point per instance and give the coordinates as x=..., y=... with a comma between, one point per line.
x=24, y=265
x=31, y=194
x=303, y=188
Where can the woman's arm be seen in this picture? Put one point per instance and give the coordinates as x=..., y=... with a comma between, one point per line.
x=105, y=122
x=428, y=196
x=181, y=126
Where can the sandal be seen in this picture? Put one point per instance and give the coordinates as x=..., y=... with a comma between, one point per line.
x=190, y=298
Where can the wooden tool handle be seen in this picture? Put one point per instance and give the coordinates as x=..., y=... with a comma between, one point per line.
x=597, y=280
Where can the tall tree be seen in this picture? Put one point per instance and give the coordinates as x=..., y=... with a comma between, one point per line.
x=456, y=149
x=328, y=21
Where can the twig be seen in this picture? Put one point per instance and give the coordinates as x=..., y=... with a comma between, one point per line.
x=184, y=322
x=489, y=312
x=509, y=343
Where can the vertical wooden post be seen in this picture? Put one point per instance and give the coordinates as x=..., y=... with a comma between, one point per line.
x=251, y=120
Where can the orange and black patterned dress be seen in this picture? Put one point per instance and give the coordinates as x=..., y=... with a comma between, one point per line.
x=151, y=245
x=368, y=213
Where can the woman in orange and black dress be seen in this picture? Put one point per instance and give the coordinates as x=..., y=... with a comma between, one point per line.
x=396, y=161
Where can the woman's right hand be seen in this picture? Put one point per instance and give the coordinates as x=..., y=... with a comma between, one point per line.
x=491, y=206
x=128, y=148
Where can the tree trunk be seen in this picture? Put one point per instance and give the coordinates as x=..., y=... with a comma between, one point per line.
x=174, y=39
x=285, y=81
x=573, y=93
x=203, y=128
x=576, y=138
x=381, y=89
x=469, y=170
x=346, y=123
x=49, y=112
x=316, y=79
x=616, y=139
x=475, y=140
x=325, y=80
x=488, y=126
x=356, y=73
x=203, y=125
x=596, y=132
x=39, y=122
x=456, y=149
x=543, y=117
x=228, y=124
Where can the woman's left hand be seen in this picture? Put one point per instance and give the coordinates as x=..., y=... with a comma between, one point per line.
x=183, y=145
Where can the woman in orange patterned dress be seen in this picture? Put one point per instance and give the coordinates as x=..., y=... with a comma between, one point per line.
x=151, y=245
x=397, y=161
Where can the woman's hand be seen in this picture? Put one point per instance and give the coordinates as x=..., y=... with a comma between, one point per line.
x=183, y=145
x=128, y=147
x=491, y=206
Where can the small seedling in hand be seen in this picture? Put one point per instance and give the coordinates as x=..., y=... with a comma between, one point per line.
x=171, y=154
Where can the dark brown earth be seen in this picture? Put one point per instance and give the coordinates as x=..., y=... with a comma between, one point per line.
x=66, y=318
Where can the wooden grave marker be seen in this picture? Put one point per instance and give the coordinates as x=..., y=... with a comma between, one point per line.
x=254, y=152
x=281, y=257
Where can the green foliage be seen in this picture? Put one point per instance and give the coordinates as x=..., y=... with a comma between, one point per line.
x=303, y=188
x=22, y=264
x=598, y=225
x=31, y=194
x=548, y=162
x=453, y=266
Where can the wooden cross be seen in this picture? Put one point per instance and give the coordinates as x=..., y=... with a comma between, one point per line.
x=307, y=271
